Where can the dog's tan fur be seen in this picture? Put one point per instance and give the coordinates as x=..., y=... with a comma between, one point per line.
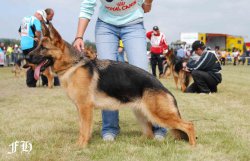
x=81, y=87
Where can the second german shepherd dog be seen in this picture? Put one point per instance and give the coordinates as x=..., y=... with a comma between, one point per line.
x=19, y=67
x=91, y=83
x=22, y=65
x=174, y=66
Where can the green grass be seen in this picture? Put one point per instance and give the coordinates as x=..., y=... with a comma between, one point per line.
x=49, y=120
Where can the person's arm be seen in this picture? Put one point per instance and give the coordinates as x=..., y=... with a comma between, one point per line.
x=147, y=5
x=205, y=61
x=37, y=27
x=37, y=36
x=164, y=43
x=82, y=26
x=86, y=12
x=149, y=35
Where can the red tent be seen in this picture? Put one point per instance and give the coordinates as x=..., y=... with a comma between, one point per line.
x=248, y=45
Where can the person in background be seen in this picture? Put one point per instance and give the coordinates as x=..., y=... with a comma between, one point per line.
x=235, y=55
x=158, y=47
x=120, y=54
x=248, y=56
x=242, y=58
x=223, y=57
x=2, y=46
x=180, y=53
x=217, y=51
x=205, y=72
x=30, y=32
x=9, y=53
x=229, y=56
x=2, y=54
x=50, y=14
x=111, y=26
x=16, y=53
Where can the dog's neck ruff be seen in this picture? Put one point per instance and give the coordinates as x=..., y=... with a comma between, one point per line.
x=75, y=63
x=66, y=74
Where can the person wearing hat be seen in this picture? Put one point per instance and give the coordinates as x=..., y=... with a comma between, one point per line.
x=205, y=72
x=158, y=47
x=16, y=53
x=50, y=14
x=30, y=32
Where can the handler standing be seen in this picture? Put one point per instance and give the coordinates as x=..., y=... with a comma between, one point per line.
x=158, y=47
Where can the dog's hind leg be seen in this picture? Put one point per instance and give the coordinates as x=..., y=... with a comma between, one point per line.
x=86, y=117
x=168, y=72
x=182, y=80
x=162, y=109
x=176, y=79
x=185, y=80
x=143, y=121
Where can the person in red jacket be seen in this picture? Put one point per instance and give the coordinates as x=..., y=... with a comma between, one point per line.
x=158, y=47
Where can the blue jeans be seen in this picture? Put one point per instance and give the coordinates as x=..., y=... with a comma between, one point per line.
x=134, y=41
x=120, y=56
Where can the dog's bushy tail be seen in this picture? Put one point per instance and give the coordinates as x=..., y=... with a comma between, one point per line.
x=186, y=79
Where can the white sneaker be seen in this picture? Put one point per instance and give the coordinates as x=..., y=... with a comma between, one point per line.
x=159, y=137
x=108, y=137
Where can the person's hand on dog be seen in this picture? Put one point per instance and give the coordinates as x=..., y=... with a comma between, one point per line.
x=184, y=64
x=78, y=44
x=184, y=67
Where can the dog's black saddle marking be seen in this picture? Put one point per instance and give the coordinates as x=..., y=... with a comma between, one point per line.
x=126, y=82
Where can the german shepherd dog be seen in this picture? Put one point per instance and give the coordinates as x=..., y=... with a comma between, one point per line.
x=174, y=66
x=91, y=83
x=46, y=71
x=23, y=64
x=19, y=68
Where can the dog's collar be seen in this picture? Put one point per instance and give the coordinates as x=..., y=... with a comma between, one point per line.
x=62, y=71
x=75, y=63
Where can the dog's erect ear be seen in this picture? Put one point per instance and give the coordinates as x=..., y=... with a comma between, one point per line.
x=89, y=52
x=44, y=43
x=45, y=30
x=55, y=37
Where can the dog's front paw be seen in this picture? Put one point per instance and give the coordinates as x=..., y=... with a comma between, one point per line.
x=82, y=142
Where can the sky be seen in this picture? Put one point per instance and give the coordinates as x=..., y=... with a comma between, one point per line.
x=172, y=16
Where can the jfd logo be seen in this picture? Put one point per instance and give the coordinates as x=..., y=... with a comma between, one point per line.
x=24, y=146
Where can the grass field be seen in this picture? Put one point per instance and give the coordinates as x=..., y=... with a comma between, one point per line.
x=49, y=120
